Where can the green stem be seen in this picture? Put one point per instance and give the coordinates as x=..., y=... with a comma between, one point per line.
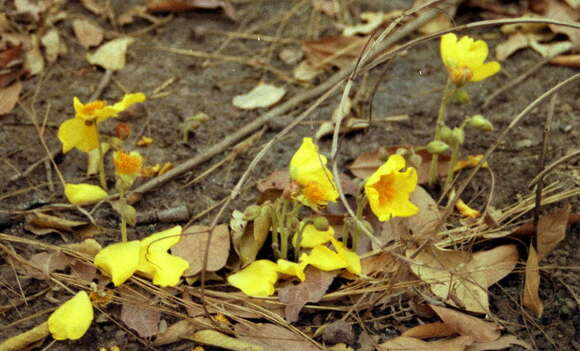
x=447, y=93
x=452, y=163
x=123, y=229
x=102, y=175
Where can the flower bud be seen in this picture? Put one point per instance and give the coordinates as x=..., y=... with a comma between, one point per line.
x=252, y=212
x=321, y=223
x=122, y=130
x=437, y=147
x=462, y=97
x=446, y=133
x=458, y=135
x=480, y=122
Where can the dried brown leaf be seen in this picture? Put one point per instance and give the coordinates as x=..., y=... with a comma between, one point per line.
x=9, y=55
x=87, y=32
x=273, y=337
x=176, y=332
x=531, y=297
x=46, y=263
x=188, y=5
x=54, y=46
x=463, y=324
x=9, y=97
x=429, y=330
x=144, y=321
x=552, y=230
x=278, y=180
x=562, y=12
x=44, y=220
x=261, y=96
x=192, y=248
x=502, y=343
x=338, y=332
x=493, y=264
x=411, y=344
x=111, y=55
x=310, y=290
x=572, y=61
x=33, y=59
x=215, y=338
x=337, y=51
x=381, y=262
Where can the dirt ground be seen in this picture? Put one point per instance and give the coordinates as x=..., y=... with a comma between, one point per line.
x=411, y=85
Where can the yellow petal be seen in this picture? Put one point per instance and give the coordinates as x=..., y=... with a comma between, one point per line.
x=80, y=194
x=292, y=268
x=119, y=260
x=312, y=237
x=485, y=71
x=465, y=210
x=351, y=258
x=156, y=263
x=75, y=132
x=72, y=319
x=448, y=48
x=324, y=259
x=257, y=279
x=308, y=169
x=128, y=100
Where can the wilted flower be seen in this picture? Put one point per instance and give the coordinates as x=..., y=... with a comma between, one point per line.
x=81, y=131
x=72, y=319
x=308, y=169
x=148, y=257
x=257, y=279
x=81, y=194
x=465, y=210
x=464, y=59
x=127, y=166
x=388, y=189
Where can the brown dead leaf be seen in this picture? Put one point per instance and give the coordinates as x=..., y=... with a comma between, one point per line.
x=411, y=344
x=429, y=330
x=215, y=338
x=53, y=45
x=502, y=343
x=46, y=263
x=34, y=9
x=494, y=264
x=310, y=290
x=466, y=325
x=273, y=337
x=371, y=21
x=560, y=11
x=188, y=5
x=40, y=223
x=111, y=55
x=423, y=223
x=531, y=296
x=33, y=60
x=278, y=180
x=337, y=51
x=381, y=262
x=9, y=97
x=439, y=23
x=192, y=248
x=98, y=7
x=87, y=32
x=144, y=321
x=176, y=332
x=338, y=332
x=552, y=230
x=10, y=55
x=572, y=61
x=261, y=96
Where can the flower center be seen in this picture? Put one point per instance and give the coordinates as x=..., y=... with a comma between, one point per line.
x=460, y=75
x=91, y=107
x=314, y=192
x=127, y=164
x=385, y=189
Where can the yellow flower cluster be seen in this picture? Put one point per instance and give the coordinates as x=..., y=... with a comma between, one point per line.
x=259, y=278
x=148, y=257
x=308, y=169
x=81, y=131
x=464, y=59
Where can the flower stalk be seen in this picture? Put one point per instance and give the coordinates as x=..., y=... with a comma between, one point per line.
x=439, y=124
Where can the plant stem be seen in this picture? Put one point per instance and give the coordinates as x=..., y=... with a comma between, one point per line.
x=452, y=163
x=102, y=176
x=447, y=93
x=123, y=229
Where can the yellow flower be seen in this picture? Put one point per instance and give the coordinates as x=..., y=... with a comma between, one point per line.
x=351, y=258
x=388, y=189
x=465, y=210
x=81, y=131
x=308, y=169
x=127, y=166
x=312, y=237
x=326, y=259
x=148, y=257
x=465, y=58
x=257, y=279
x=81, y=194
x=471, y=161
x=72, y=319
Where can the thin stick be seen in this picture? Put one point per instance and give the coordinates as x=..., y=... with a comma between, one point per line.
x=541, y=165
x=553, y=165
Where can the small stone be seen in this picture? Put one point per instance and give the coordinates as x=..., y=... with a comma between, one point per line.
x=566, y=128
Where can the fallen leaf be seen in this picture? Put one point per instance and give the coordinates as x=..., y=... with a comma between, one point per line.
x=437, y=24
x=263, y=95
x=277, y=180
x=337, y=51
x=494, y=264
x=31, y=8
x=273, y=337
x=192, y=248
x=572, y=61
x=531, y=296
x=423, y=224
x=98, y=7
x=88, y=33
x=381, y=262
x=9, y=97
x=131, y=14
x=502, y=343
x=53, y=45
x=411, y=344
x=215, y=338
x=111, y=55
x=429, y=330
x=46, y=263
x=33, y=60
x=561, y=12
x=176, y=332
x=41, y=224
x=144, y=321
x=291, y=56
x=466, y=325
x=552, y=230
x=188, y=5
x=305, y=71
x=88, y=246
x=371, y=21
x=310, y=290
x=328, y=7
x=338, y=332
